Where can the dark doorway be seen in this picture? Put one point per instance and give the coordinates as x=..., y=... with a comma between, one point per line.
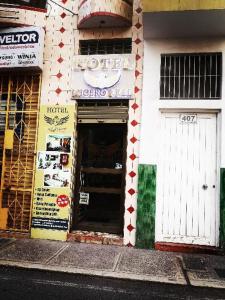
x=99, y=193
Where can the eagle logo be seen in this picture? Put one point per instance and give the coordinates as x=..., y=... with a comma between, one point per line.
x=56, y=121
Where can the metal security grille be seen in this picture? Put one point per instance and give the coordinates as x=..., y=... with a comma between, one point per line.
x=114, y=46
x=102, y=111
x=191, y=76
x=19, y=103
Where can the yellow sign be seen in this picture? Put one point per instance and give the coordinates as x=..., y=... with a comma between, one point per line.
x=52, y=201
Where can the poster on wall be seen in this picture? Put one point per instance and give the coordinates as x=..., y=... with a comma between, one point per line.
x=22, y=47
x=52, y=201
x=104, y=76
x=57, y=142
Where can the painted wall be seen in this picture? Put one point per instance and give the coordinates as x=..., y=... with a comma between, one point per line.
x=151, y=94
x=152, y=106
x=179, y=5
x=146, y=206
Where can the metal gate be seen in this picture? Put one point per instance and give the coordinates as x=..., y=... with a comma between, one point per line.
x=19, y=104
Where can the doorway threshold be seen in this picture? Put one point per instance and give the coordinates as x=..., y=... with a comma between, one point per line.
x=187, y=248
x=92, y=237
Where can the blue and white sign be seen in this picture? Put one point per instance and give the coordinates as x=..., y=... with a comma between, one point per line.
x=21, y=47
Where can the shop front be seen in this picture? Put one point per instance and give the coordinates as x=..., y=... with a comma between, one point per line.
x=105, y=87
x=21, y=59
x=82, y=152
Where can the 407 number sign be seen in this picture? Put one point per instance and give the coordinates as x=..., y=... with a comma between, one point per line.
x=188, y=118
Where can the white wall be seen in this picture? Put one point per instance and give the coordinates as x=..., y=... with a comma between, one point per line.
x=150, y=122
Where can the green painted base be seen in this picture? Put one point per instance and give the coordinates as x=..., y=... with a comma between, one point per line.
x=145, y=236
x=222, y=208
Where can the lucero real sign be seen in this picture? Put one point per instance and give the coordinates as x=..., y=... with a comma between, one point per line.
x=104, y=76
x=21, y=47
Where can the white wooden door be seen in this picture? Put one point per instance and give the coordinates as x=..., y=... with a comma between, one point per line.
x=187, y=184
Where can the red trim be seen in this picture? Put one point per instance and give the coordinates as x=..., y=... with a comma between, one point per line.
x=100, y=14
x=44, y=10
x=14, y=234
x=96, y=238
x=187, y=248
x=81, y=4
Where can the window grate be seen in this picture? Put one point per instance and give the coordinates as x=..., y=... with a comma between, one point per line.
x=114, y=46
x=191, y=76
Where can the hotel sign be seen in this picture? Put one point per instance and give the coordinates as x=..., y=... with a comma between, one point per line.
x=21, y=47
x=103, y=76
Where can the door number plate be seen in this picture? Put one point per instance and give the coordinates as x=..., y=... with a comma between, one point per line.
x=188, y=118
x=84, y=198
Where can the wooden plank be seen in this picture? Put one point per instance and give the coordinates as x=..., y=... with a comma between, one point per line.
x=196, y=178
x=101, y=171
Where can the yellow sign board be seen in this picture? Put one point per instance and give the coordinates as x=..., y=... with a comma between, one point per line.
x=52, y=194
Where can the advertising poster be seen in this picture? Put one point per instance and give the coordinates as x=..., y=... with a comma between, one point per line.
x=51, y=203
x=22, y=47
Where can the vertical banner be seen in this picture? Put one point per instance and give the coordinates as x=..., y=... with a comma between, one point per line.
x=51, y=203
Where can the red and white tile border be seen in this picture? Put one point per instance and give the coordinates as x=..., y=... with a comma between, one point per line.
x=134, y=131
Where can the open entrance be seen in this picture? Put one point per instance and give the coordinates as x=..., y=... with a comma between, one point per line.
x=99, y=197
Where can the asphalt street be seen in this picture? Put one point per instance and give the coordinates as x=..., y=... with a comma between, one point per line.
x=16, y=284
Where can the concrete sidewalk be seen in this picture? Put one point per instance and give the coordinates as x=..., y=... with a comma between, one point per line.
x=114, y=262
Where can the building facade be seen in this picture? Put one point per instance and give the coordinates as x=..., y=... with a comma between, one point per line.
x=182, y=125
x=70, y=121
x=73, y=116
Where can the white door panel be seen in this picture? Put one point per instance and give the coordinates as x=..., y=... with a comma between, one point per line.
x=187, y=180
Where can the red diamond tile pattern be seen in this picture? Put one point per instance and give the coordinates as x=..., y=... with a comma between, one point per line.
x=138, y=57
x=60, y=59
x=137, y=73
x=58, y=91
x=131, y=192
x=59, y=75
x=132, y=174
x=133, y=140
x=133, y=156
x=129, y=245
x=130, y=209
x=64, y=1
x=138, y=25
x=134, y=123
x=135, y=106
x=138, y=10
x=137, y=41
x=61, y=45
x=62, y=29
x=136, y=89
x=63, y=15
x=130, y=227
